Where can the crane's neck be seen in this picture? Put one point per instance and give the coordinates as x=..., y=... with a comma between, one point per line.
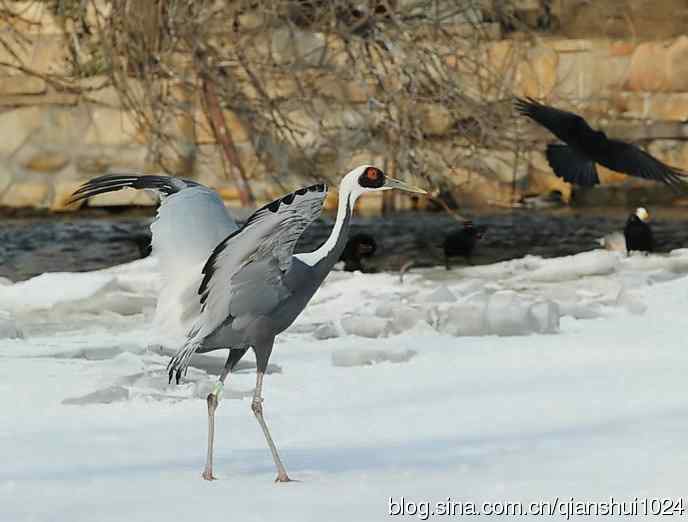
x=324, y=258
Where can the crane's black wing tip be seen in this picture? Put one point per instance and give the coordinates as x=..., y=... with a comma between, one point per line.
x=166, y=185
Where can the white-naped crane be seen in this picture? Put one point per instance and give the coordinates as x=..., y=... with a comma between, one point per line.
x=251, y=285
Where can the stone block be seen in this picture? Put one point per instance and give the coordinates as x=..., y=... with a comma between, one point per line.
x=6, y=175
x=660, y=66
x=98, y=90
x=298, y=46
x=31, y=193
x=648, y=67
x=653, y=106
x=44, y=54
x=48, y=98
x=536, y=76
x=31, y=17
x=112, y=127
x=677, y=65
x=21, y=84
x=237, y=127
x=16, y=126
x=97, y=160
x=436, y=119
x=590, y=74
x=42, y=160
x=504, y=165
x=62, y=193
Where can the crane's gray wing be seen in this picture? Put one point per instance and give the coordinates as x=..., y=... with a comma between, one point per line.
x=243, y=276
x=629, y=159
x=191, y=221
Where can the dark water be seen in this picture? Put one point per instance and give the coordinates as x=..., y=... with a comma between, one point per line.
x=51, y=243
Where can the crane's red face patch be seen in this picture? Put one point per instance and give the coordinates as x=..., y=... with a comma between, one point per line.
x=372, y=178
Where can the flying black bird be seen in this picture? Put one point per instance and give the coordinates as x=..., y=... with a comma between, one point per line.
x=584, y=146
x=638, y=233
x=460, y=243
x=247, y=285
x=358, y=247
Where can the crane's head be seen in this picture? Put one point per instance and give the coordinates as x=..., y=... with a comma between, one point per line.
x=367, y=178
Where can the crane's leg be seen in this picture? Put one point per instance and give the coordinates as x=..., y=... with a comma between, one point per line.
x=213, y=401
x=257, y=407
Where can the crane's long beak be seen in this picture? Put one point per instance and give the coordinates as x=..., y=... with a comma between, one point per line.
x=391, y=183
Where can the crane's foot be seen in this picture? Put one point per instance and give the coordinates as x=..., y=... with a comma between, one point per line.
x=285, y=478
x=208, y=475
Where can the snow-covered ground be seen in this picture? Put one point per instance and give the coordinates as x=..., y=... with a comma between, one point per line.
x=519, y=381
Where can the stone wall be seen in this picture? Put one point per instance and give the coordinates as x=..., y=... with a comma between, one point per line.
x=52, y=140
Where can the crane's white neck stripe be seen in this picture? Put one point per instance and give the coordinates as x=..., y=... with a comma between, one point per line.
x=344, y=206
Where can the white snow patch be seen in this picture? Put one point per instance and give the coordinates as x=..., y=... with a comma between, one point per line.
x=408, y=397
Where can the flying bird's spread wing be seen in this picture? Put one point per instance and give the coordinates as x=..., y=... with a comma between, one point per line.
x=567, y=126
x=631, y=160
x=243, y=278
x=571, y=166
x=575, y=163
x=191, y=221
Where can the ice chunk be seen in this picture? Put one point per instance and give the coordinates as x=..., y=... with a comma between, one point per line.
x=9, y=328
x=595, y=262
x=98, y=353
x=104, y=396
x=615, y=242
x=579, y=310
x=441, y=294
x=385, y=309
x=468, y=287
x=47, y=290
x=364, y=325
x=364, y=357
x=631, y=302
x=544, y=317
x=404, y=317
x=465, y=318
x=327, y=330
x=109, y=299
x=507, y=314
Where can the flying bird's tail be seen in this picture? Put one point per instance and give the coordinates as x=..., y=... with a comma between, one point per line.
x=570, y=166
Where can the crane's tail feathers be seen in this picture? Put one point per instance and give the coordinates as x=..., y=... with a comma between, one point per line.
x=111, y=182
x=179, y=364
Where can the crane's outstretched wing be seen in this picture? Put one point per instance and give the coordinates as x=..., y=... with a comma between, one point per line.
x=571, y=166
x=191, y=221
x=243, y=276
x=631, y=160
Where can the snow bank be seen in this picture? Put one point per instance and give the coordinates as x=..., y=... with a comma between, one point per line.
x=379, y=389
